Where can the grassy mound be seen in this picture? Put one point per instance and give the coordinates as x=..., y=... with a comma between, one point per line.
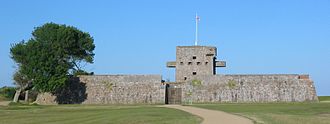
x=324, y=98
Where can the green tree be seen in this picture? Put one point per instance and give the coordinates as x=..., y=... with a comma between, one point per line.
x=52, y=54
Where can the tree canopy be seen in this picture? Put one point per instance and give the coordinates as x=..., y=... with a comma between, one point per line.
x=21, y=81
x=54, y=52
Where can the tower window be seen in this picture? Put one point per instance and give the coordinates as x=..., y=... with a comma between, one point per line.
x=181, y=63
x=206, y=63
x=185, y=78
x=198, y=63
x=189, y=63
x=194, y=73
x=194, y=57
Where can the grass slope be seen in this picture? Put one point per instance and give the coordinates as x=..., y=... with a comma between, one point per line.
x=94, y=114
x=324, y=98
x=278, y=113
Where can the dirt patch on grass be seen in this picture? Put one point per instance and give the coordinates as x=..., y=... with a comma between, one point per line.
x=4, y=103
x=324, y=115
x=212, y=116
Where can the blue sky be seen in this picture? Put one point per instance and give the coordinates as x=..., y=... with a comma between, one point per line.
x=138, y=37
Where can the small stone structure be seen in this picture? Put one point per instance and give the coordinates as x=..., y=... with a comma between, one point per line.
x=196, y=81
x=108, y=89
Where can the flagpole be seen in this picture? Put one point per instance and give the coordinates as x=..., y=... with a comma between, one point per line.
x=196, y=31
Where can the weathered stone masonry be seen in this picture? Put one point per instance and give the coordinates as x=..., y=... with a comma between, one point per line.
x=109, y=89
x=249, y=88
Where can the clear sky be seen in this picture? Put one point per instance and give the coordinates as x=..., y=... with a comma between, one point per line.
x=138, y=37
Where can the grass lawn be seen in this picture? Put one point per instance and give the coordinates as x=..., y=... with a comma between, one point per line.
x=278, y=113
x=94, y=114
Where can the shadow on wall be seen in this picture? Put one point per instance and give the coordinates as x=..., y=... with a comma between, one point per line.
x=73, y=93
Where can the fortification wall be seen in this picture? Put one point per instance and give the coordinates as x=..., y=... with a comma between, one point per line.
x=108, y=89
x=249, y=88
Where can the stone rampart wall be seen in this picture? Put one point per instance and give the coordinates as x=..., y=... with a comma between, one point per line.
x=108, y=89
x=148, y=89
x=249, y=88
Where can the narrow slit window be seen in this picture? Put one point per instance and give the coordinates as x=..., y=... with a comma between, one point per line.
x=189, y=63
x=198, y=63
x=194, y=73
x=194, y=57
x=185, y=78
x=206, y=63
x=181, y=63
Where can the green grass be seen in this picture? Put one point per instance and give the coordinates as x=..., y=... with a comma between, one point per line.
x=324, y=98
x=93, y=114
x=278, y=113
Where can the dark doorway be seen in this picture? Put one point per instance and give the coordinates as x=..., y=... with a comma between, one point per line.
x=173, y=95
x=166, y=94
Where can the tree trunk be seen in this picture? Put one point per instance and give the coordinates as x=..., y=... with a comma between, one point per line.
x=18, y=92
x=26, y=96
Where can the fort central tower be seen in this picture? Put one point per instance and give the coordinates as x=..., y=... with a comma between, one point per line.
x=195, y=60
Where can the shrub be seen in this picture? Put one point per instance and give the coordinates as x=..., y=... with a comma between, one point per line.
x=7, y=93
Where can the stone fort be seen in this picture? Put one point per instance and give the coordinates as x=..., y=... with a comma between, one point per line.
x=196, y=81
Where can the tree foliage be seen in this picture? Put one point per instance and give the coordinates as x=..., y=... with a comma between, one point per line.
x=54, y=52
x=7, y=93
x=21, y=81
x=81, y=72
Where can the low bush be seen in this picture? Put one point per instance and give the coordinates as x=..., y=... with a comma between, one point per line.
x=7, y=93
